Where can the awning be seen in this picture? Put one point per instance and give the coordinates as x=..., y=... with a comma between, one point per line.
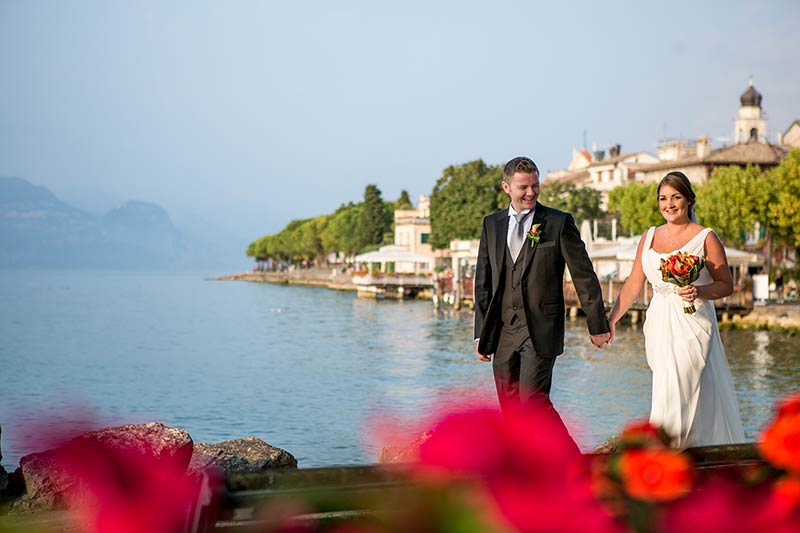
x=628, y=253
x=393, y=256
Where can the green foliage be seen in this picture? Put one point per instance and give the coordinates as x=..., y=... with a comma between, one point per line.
x=339, y=234
x=732, y=201
x=388, y=222
x=783, y=213
x=582, y=202
x=637, y=206
x=404, y=202
x=372, y=222
x=461, y=198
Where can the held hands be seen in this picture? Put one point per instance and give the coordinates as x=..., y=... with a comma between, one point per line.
x=600, y=340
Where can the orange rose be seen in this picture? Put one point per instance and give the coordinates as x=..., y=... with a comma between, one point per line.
x=780, y=442
x=655, y=474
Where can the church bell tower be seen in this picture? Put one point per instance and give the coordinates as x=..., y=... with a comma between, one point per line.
x=751, y=125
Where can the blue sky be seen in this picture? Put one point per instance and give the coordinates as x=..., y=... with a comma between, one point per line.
x=249, y=114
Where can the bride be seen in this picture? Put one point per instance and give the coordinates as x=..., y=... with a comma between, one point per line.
x=693, y=397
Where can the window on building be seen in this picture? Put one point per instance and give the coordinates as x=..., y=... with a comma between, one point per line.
x=424, y=238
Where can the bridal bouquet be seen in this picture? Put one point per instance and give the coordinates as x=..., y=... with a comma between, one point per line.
x=682, y=269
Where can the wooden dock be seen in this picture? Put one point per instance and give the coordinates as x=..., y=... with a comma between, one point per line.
x=393, y=286
x=459, y=293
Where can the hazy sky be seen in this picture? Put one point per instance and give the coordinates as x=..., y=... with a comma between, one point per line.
x=252, y=113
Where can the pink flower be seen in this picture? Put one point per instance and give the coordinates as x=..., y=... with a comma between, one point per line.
x=525, y=460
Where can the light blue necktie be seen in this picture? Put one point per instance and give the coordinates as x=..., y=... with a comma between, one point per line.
x=518, y=235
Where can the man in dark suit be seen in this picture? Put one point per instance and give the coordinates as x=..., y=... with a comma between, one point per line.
x=519, y=295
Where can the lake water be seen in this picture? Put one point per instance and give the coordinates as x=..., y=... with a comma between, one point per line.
x=305, y=369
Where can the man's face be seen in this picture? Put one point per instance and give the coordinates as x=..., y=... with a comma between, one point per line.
x=523, y=190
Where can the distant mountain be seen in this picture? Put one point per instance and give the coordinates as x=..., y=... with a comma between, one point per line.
x=38, y=230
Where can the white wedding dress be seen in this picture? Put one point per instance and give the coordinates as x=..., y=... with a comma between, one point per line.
x=693, y=395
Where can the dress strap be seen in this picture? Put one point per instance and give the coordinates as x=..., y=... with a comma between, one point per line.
x=648, y=240
x=698, y=242
x=704, y=232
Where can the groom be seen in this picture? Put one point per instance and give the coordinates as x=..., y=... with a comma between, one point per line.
x=519, y=295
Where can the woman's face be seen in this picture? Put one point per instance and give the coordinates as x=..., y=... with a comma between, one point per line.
x=673, y=205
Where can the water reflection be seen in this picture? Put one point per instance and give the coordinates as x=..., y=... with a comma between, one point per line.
x=303, y=368
x=762, y=360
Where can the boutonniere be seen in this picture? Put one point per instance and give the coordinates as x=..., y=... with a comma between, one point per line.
x=535, y=234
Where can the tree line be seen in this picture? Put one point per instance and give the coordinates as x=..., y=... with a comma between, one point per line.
x=732, y=201
x=351, y=229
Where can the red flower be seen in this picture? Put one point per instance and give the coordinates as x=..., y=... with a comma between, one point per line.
x=789, y=405
x=681, y=268
x=526, y=461
x=643, y=434
x=655, y=474
x=780, y=442
x=787, y=492
x=125, y=490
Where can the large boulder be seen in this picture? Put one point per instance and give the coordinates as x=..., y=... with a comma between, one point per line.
x=241, y=456
x=49, y=476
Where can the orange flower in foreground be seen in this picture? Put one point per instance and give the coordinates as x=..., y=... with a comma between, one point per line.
x=787, y=491
x=643, y=433
x=655, y=475
x=789, y=405
x=780, y=442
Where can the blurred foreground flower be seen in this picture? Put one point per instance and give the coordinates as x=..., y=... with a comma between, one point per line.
x=122, y=490
x=532, y=471
x=655, y=475
x=127, y=479
x=780, y=441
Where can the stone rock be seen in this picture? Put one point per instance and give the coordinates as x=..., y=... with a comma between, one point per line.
x=403, y=454
x=241, y=456
x=11, y=488
x=611, y=445
x=3, y=484
x=47, y=476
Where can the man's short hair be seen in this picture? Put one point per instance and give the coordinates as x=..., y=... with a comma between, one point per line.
x=519, y=164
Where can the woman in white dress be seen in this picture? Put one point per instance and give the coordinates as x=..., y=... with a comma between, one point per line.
x=693, y=395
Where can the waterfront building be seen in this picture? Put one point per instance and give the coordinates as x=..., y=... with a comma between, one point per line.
x=791, y=137
x=750, y=146
x=412, y=228
x=696, y=158
x=411, y=251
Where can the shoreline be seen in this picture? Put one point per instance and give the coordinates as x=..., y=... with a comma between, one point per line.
x=312, y=278
x=771, y=316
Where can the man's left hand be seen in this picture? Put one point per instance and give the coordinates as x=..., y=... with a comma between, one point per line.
x=600, y=340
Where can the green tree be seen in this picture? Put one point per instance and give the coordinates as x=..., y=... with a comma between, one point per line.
x=783, y=214
x=339, y=234
x=404, y=202
x=305, y=239
x=732, y=201
x=461, y=198
x=636, y=205
x=388, y=222
x=582, y=202
x=372, y=224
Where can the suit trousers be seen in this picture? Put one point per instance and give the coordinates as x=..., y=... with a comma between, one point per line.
x=520, y=374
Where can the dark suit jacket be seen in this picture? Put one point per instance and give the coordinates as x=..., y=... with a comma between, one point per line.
x=560, y=244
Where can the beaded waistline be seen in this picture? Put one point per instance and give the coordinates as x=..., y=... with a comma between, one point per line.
x=665, y=288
